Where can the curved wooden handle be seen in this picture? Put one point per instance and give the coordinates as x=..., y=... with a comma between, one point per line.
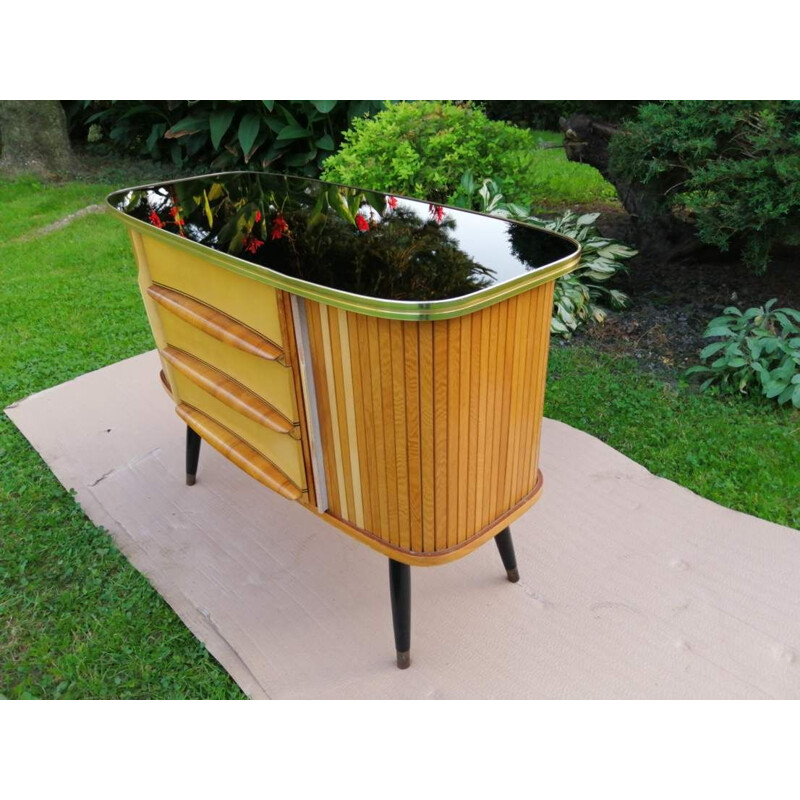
x=239, y=452
x=214, y=323
x=227, y=390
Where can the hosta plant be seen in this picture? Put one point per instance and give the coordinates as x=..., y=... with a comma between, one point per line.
x=578, y=297
x=757, y=350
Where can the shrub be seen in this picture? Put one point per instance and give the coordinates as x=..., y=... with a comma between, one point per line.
x=758, y=350
x=732, y=166
x=577, y=296
x=422, y=148
x=288, y=135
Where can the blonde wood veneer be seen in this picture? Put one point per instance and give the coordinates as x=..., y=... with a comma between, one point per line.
x=227, y=390
x=430, y=431
x=239, y=452
x=215, y=323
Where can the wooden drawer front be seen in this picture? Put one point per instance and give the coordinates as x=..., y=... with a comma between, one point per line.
x=247, y=300
x=268, y=379
x=284, y=451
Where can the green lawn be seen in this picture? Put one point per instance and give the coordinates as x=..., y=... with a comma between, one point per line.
x=563, y=183
x=76, y=620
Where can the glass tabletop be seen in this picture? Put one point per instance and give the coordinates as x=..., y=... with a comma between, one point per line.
x=348, y=239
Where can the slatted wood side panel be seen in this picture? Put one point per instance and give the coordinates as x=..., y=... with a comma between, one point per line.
x=430, y=431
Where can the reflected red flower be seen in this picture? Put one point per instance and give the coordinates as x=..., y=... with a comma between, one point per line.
x=361, y=223
x=279, y=227
x=155, y=219
x=176, y=215
x=392, y=201
x=251, y=244
x=437, y=212
x=258, y=216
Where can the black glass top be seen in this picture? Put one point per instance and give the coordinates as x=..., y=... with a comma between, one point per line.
x=350, y=239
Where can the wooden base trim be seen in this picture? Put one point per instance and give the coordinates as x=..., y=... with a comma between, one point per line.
x=416, y=559
x=227, y=390
x=240, y=453
x=215, y=323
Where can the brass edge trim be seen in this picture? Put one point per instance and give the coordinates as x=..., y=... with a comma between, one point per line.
x=371, y=306
x=309, y=400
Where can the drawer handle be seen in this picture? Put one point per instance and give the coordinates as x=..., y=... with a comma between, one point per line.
x=239, y=452
x=227, y=390
x=214, y=323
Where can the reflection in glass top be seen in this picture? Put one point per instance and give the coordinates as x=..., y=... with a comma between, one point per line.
x=357, y=241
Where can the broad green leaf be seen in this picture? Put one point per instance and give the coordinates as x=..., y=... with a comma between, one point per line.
x=796, y=397
x=587, y=219
x=293, y=132
x=721, y=330
x=186, y=127
x=325, y=142
x=219, y=121
x=248, y=130
x=269, y=104
x=324, y=106
x=710, y=349
x=774, y=388
x=696, y=369
x=786, y=395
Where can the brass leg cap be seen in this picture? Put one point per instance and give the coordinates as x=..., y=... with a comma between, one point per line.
x=513, y=574
x=190, y=479
x=403, y=659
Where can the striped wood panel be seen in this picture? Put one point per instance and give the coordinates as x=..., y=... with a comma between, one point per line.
x=430, y=431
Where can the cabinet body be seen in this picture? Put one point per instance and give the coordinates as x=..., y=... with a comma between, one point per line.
x=412, y=426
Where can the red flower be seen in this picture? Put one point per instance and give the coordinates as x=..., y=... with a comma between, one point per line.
x=392, y=201
x=155, y=219
x=361, y=223
x=251, y=244
x=437, y=212
x=258, y=216
x=176, y=215
x=279, y=227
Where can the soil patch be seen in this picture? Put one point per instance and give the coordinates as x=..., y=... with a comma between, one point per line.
x=672, y=304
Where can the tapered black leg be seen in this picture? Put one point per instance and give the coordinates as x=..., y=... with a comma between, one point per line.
x=400, y=591
x=506, y=547
x=192, y=455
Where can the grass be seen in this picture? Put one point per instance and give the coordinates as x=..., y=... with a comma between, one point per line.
x=741, y=453
x=563, y=183
x=77, y=621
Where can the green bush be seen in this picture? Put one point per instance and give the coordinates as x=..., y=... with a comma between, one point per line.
x=285, y=135
x=757, y=348
x=423, y=148
x=731, y=166
x=577, y=296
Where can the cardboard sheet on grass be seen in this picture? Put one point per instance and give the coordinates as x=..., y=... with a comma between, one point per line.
x=632, y=587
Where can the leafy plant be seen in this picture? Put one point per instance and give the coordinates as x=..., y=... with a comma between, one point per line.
x=577, y=296
x=755, y=350
x=292, y=135
x=422, y=148
x=733, y=167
